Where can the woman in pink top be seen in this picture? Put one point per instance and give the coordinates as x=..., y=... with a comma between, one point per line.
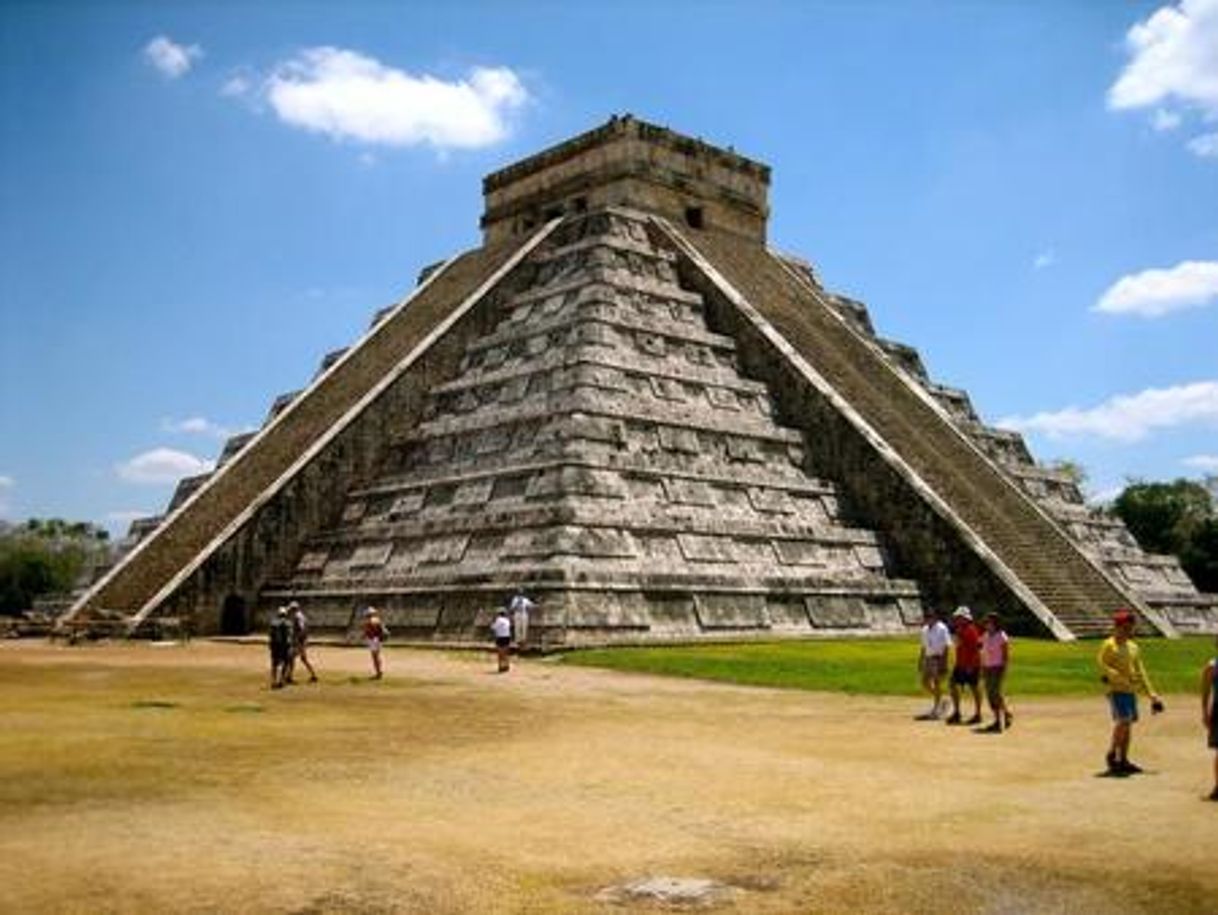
x=995, y=653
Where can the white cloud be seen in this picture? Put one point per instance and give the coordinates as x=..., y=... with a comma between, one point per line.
x=172, y=59
x=348, y=96
x=1206, y=463
x=1154, y=293
x=1163, y=120
x=1174, y=57
x=6, y=484
x=1043, y=260
x=237, y=85
x=1103, y=496
x=1204, y=145
x=1128, y=418
x=195, y=425
x=161, y=465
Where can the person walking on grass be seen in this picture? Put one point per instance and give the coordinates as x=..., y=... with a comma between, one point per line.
x=300, y=641
x=1209, y=699
x=1124, y=676
x=501, y=629
x=995, y=657
x=932, y=661
x=967, y=668
x=279, y=640
x=375, y=633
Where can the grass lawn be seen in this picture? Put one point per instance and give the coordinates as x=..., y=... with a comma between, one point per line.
x=887, y=666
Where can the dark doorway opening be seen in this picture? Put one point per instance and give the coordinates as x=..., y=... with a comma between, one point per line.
x=693, y=217
x=234, y=617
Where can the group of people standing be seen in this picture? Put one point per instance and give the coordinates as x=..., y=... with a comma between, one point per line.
x=511, y=624
x=288, y=637
x=980, y=658
x=289, y=642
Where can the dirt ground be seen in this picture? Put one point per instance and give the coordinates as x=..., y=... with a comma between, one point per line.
x=157, y=779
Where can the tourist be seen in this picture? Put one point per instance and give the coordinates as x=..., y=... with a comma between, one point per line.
x=967, y=667
x=300, y=641
x=932, y=660
x=1123, y=674
x=501, y=628
x=375, y=633
x=520, y=607
x=995, y=657
x=279, y=640
x=1209, y=700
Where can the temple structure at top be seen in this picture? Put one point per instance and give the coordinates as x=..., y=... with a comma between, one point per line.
x=633, y=164
x=627, y=404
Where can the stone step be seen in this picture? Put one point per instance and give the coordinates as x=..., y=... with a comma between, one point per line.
x=1037, y=552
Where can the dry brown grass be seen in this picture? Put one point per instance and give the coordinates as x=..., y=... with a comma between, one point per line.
x=139, y=778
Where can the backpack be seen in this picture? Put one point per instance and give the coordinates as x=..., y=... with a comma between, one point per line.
x=281, y=633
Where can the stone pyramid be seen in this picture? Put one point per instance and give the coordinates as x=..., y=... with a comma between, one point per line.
x=627, y=404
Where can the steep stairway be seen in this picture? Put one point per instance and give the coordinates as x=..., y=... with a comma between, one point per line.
x=261, y=467
x=1027, y=542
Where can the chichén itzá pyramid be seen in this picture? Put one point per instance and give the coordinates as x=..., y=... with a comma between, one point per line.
x=664, y=430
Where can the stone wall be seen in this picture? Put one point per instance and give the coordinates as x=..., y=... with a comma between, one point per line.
x=633, y=164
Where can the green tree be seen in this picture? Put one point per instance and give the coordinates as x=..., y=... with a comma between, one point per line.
x=1177, y=518
x=1200, y=558
x=1164, y=516
x=50, y=556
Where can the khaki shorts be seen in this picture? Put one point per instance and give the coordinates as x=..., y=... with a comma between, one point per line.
x=934, y=665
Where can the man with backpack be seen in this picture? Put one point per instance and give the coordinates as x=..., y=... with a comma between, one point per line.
x=279, y=640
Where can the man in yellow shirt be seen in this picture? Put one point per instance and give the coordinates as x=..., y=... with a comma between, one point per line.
x=1122, y=672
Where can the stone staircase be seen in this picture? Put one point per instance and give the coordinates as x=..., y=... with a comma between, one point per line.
x=1026, y=541
x=1157, y=580
x=598, y=444
x=250, y=477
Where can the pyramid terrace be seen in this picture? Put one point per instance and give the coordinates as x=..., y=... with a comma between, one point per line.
x=628, y=405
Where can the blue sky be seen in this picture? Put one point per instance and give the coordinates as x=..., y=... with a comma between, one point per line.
x=198, y=200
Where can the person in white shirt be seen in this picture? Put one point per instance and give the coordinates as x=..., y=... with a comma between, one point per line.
x=501, y=628
x=932, y=660
x=300, y=641
x=520, y=607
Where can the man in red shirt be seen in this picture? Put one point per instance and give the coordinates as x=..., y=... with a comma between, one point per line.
x=967, y=668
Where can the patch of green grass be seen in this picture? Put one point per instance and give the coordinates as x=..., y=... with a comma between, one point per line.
x=888, y=666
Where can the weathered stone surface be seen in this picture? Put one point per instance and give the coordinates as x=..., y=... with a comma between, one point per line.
x=578, y=449
x=670, y=892
x=1157, y=580
x=587, y=407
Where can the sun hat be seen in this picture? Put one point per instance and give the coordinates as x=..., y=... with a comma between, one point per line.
x=282, y=611
x=963, y=613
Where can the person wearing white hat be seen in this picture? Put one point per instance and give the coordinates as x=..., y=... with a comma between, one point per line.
x=501, y=629
x=375, y=633
x=967, y=669
x=300, y=642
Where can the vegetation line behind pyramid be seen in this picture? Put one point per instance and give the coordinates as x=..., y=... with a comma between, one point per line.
x=626, y=404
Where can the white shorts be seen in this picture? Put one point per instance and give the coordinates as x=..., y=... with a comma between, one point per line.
x=374, y=644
